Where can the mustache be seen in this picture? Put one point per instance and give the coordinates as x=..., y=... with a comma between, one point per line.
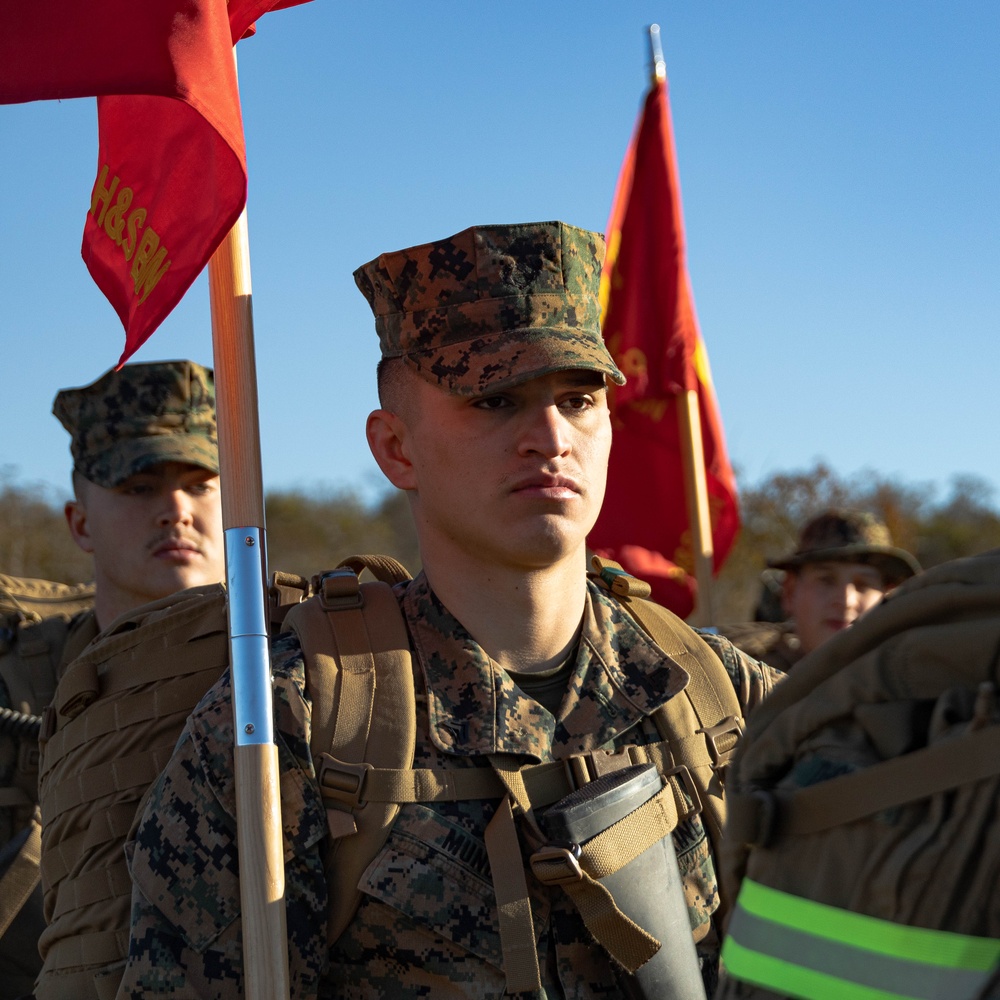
x=171, y=538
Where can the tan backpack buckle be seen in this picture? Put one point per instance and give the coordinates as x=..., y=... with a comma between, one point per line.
x=342, y=782
x=557, y=864
x=720, y=750
x=684, y=779
x=582, y=768
x=340, y=589
x=285, y=591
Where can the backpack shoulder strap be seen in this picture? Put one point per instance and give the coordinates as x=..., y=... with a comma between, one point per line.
x=710, y=689
x=704, y=722
x=384, y=568
x=359, y=676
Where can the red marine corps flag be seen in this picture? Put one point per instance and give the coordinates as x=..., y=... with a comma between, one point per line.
x=169, y=194
x=655, y=504
x=171, y=170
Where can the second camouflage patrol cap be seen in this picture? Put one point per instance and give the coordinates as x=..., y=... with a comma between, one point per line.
x=141, y=415
x=492, y=306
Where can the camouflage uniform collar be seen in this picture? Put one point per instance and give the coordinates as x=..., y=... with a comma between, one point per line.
x=475, y=708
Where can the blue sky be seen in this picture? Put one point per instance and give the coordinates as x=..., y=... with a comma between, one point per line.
x=839, y=169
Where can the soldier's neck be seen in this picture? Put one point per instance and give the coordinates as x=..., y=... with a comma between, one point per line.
x=525, y=620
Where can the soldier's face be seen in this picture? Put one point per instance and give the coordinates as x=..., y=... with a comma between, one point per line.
x=826, y=597
x=513, y=478
x=157, y=532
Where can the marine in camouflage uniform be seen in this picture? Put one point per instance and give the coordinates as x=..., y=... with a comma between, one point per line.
x=477, y=315
x=844, y=563
x=135, y=433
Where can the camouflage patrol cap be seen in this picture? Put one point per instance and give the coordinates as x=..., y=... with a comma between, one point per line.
x=492, y=306
x=143, y=414
x=850, y=536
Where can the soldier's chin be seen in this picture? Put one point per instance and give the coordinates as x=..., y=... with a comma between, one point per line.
x=185, y=577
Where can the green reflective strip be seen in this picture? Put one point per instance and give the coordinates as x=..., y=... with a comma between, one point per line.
x=918, y=944
x=793, y=980
x=806, y=949
x=870, y=972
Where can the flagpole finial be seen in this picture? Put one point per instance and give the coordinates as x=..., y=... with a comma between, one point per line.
x=656, y=49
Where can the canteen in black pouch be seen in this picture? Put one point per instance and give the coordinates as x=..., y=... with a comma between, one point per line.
x=648, y=889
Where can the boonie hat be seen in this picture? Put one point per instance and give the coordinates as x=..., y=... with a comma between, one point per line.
x=492, y=306
x=850, y=536
x=139, y=416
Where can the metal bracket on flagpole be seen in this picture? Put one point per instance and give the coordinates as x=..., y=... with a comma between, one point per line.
x=656, y=50
x=248, y=637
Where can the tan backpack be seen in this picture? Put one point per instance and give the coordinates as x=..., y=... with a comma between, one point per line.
x=364, y=738
x=864, y=832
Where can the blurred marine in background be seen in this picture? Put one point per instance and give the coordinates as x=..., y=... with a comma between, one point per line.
x=147, y=508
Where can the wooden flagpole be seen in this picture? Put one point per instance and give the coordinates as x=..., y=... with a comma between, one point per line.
x=258, y=800
x=692, y=449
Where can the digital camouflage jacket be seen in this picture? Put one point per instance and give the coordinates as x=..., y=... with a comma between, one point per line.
x=427, y=923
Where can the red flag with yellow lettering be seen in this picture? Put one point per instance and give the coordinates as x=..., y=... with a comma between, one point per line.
x=171, y=170
x=651, y=330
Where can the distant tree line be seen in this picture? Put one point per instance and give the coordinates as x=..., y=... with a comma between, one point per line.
x=311, y=531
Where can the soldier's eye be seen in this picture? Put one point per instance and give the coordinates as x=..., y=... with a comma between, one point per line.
x=491, y=403
x=134, y=489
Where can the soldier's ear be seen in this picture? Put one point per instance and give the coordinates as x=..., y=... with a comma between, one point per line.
x=389, y=441
x=79, y=528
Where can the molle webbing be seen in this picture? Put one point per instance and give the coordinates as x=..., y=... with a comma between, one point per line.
x=118, y=712
x=798, y=947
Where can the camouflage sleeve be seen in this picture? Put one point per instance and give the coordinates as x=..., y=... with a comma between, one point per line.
x=752, y=679
x=186, y=934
